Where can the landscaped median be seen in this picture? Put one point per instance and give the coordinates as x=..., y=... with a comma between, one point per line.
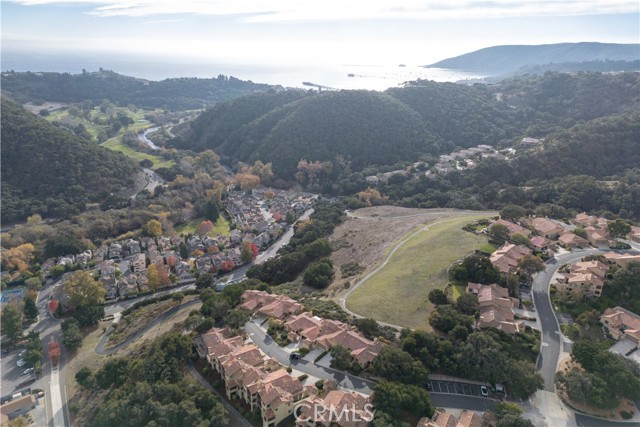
x=397, y=293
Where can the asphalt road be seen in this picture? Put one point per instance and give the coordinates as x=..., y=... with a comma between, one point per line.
x=551, y=335
x=273, y=350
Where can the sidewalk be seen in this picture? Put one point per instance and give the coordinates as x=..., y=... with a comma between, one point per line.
x=546, y=409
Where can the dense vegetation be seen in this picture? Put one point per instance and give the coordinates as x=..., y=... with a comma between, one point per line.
x=602, y=379
x=344, y=136
x=150, y=389
x=173, y=94
x=503, y=59
x=363, y=127
x=307, y=245
x=49, y=171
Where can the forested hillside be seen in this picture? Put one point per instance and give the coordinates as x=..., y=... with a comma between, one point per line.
x=52, y=172
x=401, y=124
x=172, y=94
x=498, y=60
x=365, y=128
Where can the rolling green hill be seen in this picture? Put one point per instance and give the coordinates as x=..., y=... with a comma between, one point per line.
x=497, y=60
x=52, y=172
x=401, y=124
x=172, y=94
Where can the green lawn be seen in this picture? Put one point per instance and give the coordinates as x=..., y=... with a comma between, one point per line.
x=116, y=144
x=221, y=228
x=397, y=294
x=457, y=290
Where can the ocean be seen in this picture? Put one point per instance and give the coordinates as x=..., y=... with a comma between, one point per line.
x=335, y=76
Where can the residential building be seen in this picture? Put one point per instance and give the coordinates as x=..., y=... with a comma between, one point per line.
x=337, y=409
x=585, y=277
x=546, y=228
x=584, y=220
x=443, y=418
x=513, y=228
x=570, y=240
x=506, y=258
x=621, y=259
x=251, y=376
x=276, y=306
x=597, y=237
x=620, y=322
x=18, y=407
x=542, y=243
x=138, y=263
x=496, y=308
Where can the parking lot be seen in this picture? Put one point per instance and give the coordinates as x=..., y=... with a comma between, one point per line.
x=13, y=376
x=465, y=389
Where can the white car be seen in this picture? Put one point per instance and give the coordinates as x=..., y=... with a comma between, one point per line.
x=27, y=371
x=484, y=391
x=21, y=363
x=22, y=352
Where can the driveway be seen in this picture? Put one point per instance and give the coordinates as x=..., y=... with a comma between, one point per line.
x=273, y=350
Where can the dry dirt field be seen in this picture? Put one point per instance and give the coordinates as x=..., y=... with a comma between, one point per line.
x=369, y=234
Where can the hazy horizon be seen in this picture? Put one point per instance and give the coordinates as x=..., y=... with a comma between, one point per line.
x=251, y=40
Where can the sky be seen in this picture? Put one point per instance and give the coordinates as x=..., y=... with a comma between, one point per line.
x=290, y=32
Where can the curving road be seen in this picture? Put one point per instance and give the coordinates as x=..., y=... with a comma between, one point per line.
x=552, y=338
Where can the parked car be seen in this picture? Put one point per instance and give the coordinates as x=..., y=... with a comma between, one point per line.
x=27, y=371
x=22, y=353
x=21, y=363
x=484, y=391
x=294, y=356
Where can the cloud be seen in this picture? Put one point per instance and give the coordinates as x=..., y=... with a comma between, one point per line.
x=340, y=10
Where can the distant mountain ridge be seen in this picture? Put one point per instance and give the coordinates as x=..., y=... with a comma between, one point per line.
x=499, y=60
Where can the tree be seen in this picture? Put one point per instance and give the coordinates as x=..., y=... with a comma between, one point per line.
x=618, y=228
x=445, y=318
x=398, y=365
x=319, y=274
x=521, y=239
x=249, y=251
x=398, y=399
x=211, y=211
x=235, y=319
x=89, y=315
x=438, y=297
x=84, y=290
x=499, y=232
x=205, y=227
x=33, y=355
x=30, y=308
x=512, y=212
x=12, y=323
x=84, y=377
x=368, y=327
x=205, y=280
x=153, y=277
x=467, y=303
x=71, y=335
x=227, y=266
x=479, y=269
x=18, y=258
x=341, y=358
x=184, y=251
x=153, y=228
x=529, y=265
x=514, y=421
